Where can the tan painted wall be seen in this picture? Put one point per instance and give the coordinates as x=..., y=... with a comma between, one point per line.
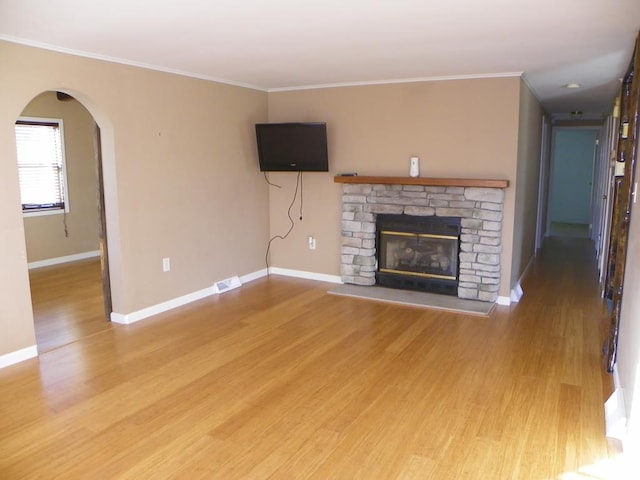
x=527, y=180
x=45, y=234
x=181, y=179
x=462, y=128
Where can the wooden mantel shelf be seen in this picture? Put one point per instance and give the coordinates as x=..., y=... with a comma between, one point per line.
x=427, y=181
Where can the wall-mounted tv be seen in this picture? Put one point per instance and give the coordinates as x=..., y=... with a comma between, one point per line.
x=292, y=147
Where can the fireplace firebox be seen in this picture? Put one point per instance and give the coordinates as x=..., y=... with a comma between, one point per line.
x=418, y=253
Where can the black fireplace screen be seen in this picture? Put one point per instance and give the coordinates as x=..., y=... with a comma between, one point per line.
x=418, y=253
x=426, y=255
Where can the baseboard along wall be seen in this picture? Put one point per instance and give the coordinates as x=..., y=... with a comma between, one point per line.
x=66, y=259
x=18, y=356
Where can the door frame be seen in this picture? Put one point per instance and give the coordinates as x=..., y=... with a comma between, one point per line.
x=102, y=222
x=544, y=186
x=552, y=160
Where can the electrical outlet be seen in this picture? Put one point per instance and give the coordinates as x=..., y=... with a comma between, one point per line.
x=312, y=243
x=166, y=264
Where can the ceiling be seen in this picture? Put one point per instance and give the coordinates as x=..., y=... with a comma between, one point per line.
x=287, y=44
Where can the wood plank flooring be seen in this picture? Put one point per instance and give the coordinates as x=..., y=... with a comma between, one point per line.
x=279, y=380
x=67, y=303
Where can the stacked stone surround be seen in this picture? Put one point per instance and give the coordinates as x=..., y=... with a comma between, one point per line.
x=480, y=210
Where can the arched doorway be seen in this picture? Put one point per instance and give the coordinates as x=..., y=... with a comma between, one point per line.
x=66, y=248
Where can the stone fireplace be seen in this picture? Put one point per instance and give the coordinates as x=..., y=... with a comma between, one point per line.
x=479, y=209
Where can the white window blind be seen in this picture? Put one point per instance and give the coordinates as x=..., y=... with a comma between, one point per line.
x=40, y=165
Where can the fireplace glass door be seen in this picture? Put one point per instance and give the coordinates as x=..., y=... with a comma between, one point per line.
x=423, y=254
x=418, y=253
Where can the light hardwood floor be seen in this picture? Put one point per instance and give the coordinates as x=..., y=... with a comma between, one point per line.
x=67, y=303
x=279, y=380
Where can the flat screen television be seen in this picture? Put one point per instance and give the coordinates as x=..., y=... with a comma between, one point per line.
x=292, y=147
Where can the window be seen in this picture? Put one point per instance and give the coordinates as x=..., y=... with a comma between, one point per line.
x=41, y=167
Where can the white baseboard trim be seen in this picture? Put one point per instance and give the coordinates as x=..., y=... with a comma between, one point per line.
x=18, y=356
x=322, y=277
x=503, y=301
x=616, y=378
x=615, y=416
x=133, y=317
x=66, y=259
x=253, y=276
x=128, y=318
x=516, y=293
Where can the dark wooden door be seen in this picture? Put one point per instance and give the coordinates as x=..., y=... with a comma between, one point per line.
x=627, y=155
x=104, y=254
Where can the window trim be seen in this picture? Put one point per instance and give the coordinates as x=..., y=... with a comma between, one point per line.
x=65, y=184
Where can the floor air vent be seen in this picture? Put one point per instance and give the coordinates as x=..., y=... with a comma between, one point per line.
x=226, y=285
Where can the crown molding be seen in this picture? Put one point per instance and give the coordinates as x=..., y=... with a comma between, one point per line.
x=398, y=80
x=121, y=61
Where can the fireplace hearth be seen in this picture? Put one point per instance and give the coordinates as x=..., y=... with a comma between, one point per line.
x=418, y=253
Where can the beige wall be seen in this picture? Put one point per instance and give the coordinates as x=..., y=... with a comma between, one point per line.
x=462, y=128
x=527, y=181
x=181, y=179
x=45, y=234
